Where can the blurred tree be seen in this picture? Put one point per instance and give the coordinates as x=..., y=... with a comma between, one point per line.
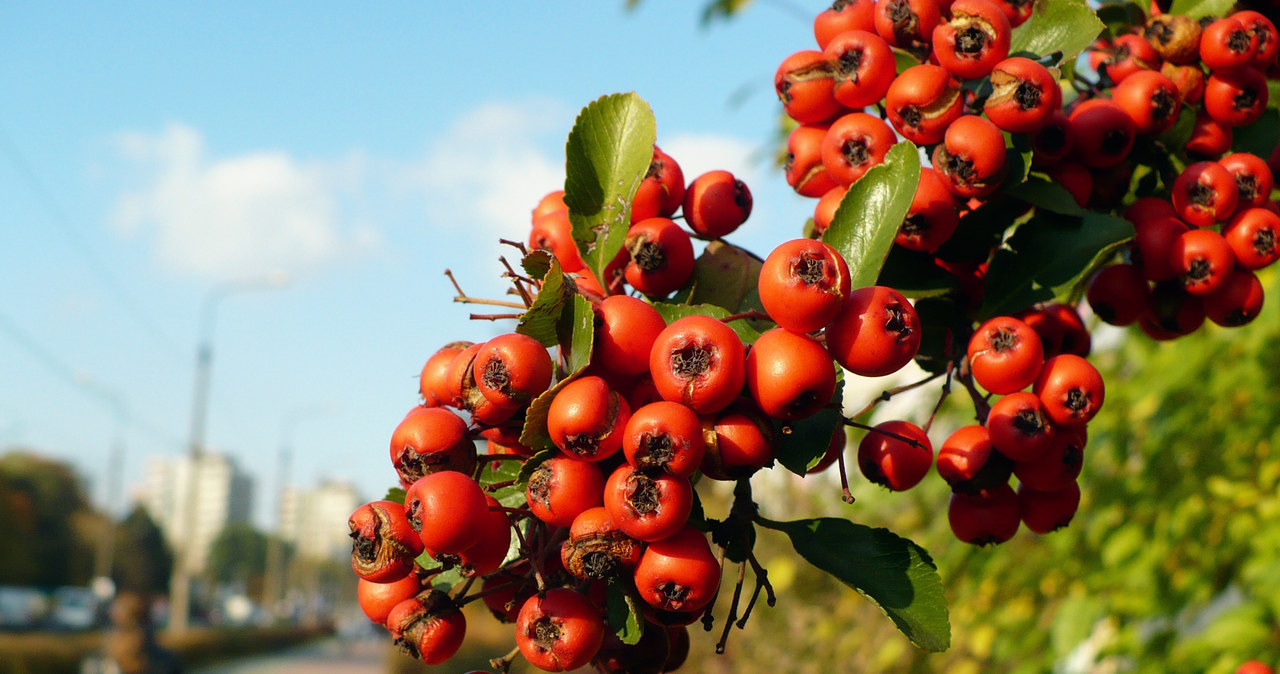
x=142, y=560
x=239, y=555
x=41, y=500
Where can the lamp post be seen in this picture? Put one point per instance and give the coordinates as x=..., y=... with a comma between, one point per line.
x=115, y=477
x=273, y=577
x=180, y=580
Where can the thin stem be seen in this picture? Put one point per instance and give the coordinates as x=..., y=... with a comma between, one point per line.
x=751, y=315
x=503, y=664
x=533, y=560
x=897, y=436
x=484, y=593
x=889, y=393
x=762, y=581
x=518, y=245
x=733, y=609
x=844, y=479
x=517, y=282
x=462, y=296
x=946, y=391
x=981, y=407
x=466, y=587
x=494, y=317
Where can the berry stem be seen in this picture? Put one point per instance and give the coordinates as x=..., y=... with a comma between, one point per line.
x=846, y=495
x=752, y=315
x=897, y=436
x=518, y=282
x=733, y=609
x=503, y=664
x=981, y=407
x=946, y=391
x=465, y=299
x=889, y=393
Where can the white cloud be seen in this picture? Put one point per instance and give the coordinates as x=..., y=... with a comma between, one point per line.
x=489, y=169
x=698, y=153
x=224, y=217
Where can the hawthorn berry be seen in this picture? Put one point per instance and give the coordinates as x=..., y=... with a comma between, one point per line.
x=803, y=165
x=586, y=418
x=1005, y=355
x=664, y=437
x=559, y=631
x=1237, y=302
x=512, y=369
x=895, y=455
x=661, y=192
x=384, y=544
x=1024, y=95
x=863, y=66
x=431, y=439
x=985, y=520
x=1202, y=259
x=932, y=217
x=970, y=161
x=1118, y=294
x=876, y=332
x=969, y=463
x=803, y=284
x=740, y=441
x=448, y=510
x=789, y=375
x=561, y=487
x=716, y=203
x=700, y=362
x=806, y=87
x=1253, y=235
x=1047, y=511
x=853, y=144
x=645, y=507
x=1071, y=389
x=625, y=330
x=429, y=627
x=661, y=256
x=922, y=102
x=597, y=548
x=678, y=573
x=377, y=599
x=1020, y=426
x=974, y=40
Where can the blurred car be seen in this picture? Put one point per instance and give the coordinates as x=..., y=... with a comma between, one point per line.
x=22, y=607
x=74, y=608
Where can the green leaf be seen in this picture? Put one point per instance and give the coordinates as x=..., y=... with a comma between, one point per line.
x=1046, y=256
x=904, y=60
x=674, y=312
x=1198, y=9
x=914, y=274
x=1068, y=26
x=1260, y=137
x=893, y=572
x=537, y=264
x=1017, y=158
x=1044, y=193
x=942, y=321
x=1120, y=16
x=1176, y=137
x=540, y=320
x=607, y=155
x=726, y=276
x=445, y=580
x=395, y=494
x=577, y=328
x=622, y=610
x=510, y=496
x=532, y=463
x=803, y=442
x=871, y=212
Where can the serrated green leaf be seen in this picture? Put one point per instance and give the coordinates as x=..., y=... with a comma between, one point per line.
x=1198, y=9
x=893, y=572
x=1046, y=256
x=622, y=611
x=904, y=60
x=867, y=221
x=1044, y=193
x=802, y=443
x=510, y=496
x=537, y=263
x=445, y=580
x=1068, y=26
x=540, y=320
x=674, y=312
x=607, y=155
x=396, y=495
x=532, y=463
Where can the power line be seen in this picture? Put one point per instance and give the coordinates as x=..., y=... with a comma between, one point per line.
x=69, y=375
x=94, y=263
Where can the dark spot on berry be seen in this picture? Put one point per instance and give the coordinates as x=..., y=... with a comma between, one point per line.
x=856, y=152
x=649, y=257
x=1027, y=95
x=811, y=270
x=642, y=494
x=1029, y=422
x=691, y=361
x=971, y=41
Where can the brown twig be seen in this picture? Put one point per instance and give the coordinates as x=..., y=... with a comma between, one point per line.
x=518, y=281
x=494, y=317
x=946, y=391
x=751, y=315
x=886, y=394
x=465, y=299
x=518, y=245
x=733, y=609
x=897, y=436
x=844, y=479
x=503, y=664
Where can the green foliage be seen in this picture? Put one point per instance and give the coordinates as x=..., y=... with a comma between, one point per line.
x=1067, y=26
x=43, y=505
x=871, y=212
x=142, y=561
x=238, y=554
x=896, y=574
x=1198, y=9
x=606, y=157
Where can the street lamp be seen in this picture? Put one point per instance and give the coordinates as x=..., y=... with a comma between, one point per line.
x=180, y=580
x=273, y=577
x=115, y=476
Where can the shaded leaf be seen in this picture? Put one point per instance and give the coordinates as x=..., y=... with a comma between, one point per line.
x=537, y=263
x=674, y=312
x=1260, y=137
x=540, y=320
x=1044, y=193
x=1068, y=26
x=607, y=155
x=577, y=328
x=803, y=442
x=893, y=572
x=914, y=274
x=726, y=276
x=871, y=212
x=622, y=610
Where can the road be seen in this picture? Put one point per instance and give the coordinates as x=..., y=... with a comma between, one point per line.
x=368, y=656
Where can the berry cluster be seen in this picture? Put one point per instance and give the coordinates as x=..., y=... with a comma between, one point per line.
x=1198, y=242
x=582, y=524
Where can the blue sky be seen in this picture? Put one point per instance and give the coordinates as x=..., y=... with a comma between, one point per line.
x=151, y=152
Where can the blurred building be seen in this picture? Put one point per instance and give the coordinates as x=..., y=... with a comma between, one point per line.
x=314, y=520
x=224, y=496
